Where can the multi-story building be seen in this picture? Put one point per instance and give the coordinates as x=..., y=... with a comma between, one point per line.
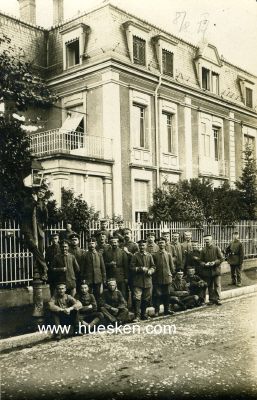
x=137, y=106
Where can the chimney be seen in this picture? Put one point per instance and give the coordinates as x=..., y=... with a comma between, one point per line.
x=28, y=11
x=57, y=11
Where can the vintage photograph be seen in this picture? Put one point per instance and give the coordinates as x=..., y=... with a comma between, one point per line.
x=128, y=199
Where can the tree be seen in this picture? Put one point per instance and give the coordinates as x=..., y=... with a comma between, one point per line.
x=247, y=186
x=226, y=205
x=76, y=211
x=20, y=88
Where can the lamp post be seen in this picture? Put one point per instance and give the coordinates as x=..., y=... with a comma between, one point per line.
x=34, y=235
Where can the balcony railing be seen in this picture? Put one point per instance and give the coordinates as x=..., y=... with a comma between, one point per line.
x=59, y=141
x=208, y=166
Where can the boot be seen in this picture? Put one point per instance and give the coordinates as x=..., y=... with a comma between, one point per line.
x=144, y=315
x=137, y=304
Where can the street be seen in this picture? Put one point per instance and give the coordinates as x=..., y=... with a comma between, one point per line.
x=212, y=354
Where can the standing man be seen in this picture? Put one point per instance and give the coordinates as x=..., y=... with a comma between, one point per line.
x=192, y=258
x=116, y=264
x=102, y=244
x=51, y=252
x=210, y=261
x=119, y=233
x=142, y=268
x=75, y=249
x=162, y=278
x=103, y=228
x=93, y=269
x=66, y=269
x=166, y=236
x=187, y=244
x=235, y=258
x=34, y=216
x=177, y=252
x=151, y=246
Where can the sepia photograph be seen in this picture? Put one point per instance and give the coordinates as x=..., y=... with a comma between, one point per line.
x=128, y=199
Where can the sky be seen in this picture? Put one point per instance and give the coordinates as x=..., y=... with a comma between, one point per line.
x=231, y=25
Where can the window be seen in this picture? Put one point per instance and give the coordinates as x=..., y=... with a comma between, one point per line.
x=96, y=193
x=138, y=50
x=139, y=128
x=205, y=79
x=141, y=196
x=248, y=97
x=205, y=140
x=169, y=139
x=167, y=62
x=215, y=83
x=216, y=137
x=249, y=141
x=72, y=53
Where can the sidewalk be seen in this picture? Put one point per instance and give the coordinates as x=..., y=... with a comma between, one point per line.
x=17, y=327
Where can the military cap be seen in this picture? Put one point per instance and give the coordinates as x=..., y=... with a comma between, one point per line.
x=179, y=271
x=83, y=283
x=207, y=235
x=54, y=234
x=141, y=241
x=73, y=235
x=113, y=238
x=65, y=241
x=161, y=239
x=175, y=233
x=165, y=232
x=61, y=284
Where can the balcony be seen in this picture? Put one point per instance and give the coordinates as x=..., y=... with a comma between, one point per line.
x=59, y=141
x=210, y=167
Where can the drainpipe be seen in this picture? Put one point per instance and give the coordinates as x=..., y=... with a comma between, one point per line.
x=157, y=136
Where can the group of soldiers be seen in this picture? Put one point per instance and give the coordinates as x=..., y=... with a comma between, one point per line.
x=116, y=279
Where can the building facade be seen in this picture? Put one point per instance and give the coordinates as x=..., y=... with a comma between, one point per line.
x=137, y=107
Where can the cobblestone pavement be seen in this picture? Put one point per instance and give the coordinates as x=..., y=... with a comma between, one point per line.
x=213, y=354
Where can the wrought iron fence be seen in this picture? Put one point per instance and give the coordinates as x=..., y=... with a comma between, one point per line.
x=16, y=262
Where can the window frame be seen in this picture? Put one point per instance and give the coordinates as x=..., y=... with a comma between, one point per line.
x=72, y=52
x=138, y=45
x=142, y=134
x=249, y=90
x=165, y=70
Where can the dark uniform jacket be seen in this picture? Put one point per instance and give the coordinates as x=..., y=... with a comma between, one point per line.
x=105, y=231
x=119, y=233
x=195, y=283
x=33, y=214
x=86, y=300
x=72, y=270
x=111, y=299
x=78, y=253
x=186, y=246
x=163, y=268
x=192, y=259
x=101, y=248
x=152, y=248
x=58, y=304
x=210, y=253
x=235, y=253
x=139, y=277
x=178, y=286
x=120, y=270
x=168, y=247
x=93, y=268
x=178, y=255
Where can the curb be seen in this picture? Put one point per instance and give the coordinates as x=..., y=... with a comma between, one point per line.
x=30, y=339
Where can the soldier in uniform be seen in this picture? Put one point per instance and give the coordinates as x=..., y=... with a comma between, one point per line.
x=50, y=253
x=65, y=268
x=192, y=257
x=177, y=252
x=162, y=278
x=93, y=269
x=166, y=236
x=180, y=295
x=113, y=305
x=116, y=264
x=88, y=314
x=210, y=271
x=197, y=286
x=187, y=244
x=119, y=233
x=142, y=268
x=103, y=228
x=235, y=257
x=102, y=244
x=64, y=310
x=75, y=249
x=151, y=246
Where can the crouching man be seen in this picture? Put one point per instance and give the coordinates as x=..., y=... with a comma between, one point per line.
x=197, y=286
x=64, y=309
x=88, y=315
x=113, y=305
x=180, y=295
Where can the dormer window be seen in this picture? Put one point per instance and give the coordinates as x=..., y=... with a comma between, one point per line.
x=72, y=53
x=205, y=78
x=208, y=68
x=138, y=50
x=210, y=80
x=248, y=97
x=74, y=45
x=167, y=62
